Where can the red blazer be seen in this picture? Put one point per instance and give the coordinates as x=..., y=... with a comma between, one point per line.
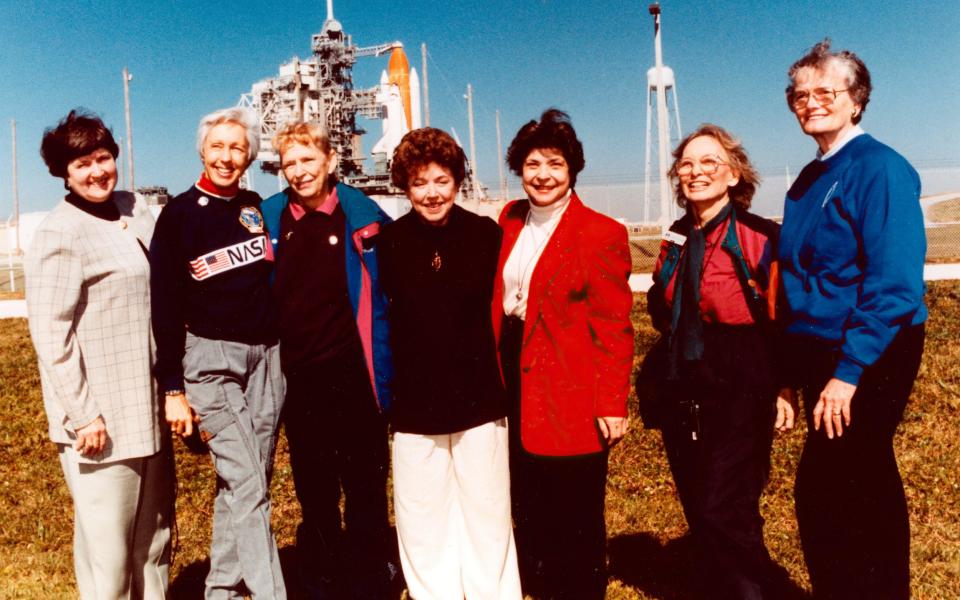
x=577, y=352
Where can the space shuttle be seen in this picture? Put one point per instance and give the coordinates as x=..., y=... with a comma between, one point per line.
x=399, y=98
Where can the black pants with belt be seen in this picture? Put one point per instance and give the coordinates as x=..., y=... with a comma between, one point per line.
x=851, y=506
x=337, y=438
x=720, y=475
x=557, y=504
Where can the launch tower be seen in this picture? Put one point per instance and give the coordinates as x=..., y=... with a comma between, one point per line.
x=320, y=89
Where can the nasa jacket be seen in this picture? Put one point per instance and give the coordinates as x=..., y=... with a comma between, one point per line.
x=362, y=224
x=210, y=266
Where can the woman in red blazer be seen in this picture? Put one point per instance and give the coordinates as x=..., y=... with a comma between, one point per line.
x=561, y=312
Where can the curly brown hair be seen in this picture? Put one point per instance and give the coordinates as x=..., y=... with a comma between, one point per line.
x=741, y=194
x=421, y=147
x=555, y=131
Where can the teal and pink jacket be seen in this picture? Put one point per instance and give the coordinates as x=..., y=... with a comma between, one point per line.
x=739, y=281
x=363, y=221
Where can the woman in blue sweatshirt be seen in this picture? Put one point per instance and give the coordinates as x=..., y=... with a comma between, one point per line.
x=851, y=254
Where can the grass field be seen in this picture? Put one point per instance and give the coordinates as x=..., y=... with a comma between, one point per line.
x=947, y=211
x=648, y=552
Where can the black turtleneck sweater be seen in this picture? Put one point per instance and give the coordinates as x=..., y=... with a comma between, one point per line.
x=439, y=282
x=106, y=210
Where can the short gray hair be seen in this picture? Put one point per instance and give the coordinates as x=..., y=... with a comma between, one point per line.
x=241, y=115
x=820, y=57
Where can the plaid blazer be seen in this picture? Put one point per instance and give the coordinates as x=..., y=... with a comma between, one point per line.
x=88, y=301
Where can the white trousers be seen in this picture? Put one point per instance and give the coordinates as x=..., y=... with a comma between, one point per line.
x=451, y=496
x=121, y=535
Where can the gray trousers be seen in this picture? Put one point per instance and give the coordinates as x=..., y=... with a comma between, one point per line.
x=237, y=390
x=121, y=538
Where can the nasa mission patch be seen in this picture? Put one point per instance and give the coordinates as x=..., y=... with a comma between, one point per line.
x=251, y=218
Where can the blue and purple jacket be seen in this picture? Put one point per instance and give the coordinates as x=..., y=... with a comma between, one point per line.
x=363, y=221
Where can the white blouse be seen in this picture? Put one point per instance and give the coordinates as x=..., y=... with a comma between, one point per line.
x=541, y=222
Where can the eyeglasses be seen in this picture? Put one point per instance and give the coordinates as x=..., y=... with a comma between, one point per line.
x=709, y=165
x=823, y=96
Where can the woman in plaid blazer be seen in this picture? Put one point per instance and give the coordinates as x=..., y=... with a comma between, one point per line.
x=88, y=300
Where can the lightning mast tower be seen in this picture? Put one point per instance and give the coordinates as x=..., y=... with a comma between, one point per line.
x=660, y=80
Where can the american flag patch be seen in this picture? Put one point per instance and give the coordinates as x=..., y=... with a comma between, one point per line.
x=228, y=258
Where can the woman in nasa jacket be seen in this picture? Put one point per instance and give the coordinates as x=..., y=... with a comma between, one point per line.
x=217, y=353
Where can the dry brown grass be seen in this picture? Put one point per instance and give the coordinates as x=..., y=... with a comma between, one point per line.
x=943, y=244
x=945, y=211
x=649, y=555
x=643, y=252
x=5, y=290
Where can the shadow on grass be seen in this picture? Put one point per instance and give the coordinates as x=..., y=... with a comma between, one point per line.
x=189, y=584
x=668, y=571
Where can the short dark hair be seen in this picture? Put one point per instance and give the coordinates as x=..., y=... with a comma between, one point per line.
x=421, y=147
x=741, y=194
x=77, y=134
x=554, y=131
x=819, y=58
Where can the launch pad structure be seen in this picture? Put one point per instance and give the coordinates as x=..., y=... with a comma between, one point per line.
x=320, y=89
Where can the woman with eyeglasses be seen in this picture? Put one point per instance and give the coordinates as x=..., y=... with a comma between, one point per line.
x=713, y=301
x=852, y=252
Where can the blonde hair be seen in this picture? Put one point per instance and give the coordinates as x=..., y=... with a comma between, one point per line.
x=741, y=194
x=299, y=132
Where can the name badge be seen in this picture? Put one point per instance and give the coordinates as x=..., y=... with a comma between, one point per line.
x=675, y=238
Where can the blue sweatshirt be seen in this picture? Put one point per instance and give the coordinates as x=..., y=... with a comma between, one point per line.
x=851, y=254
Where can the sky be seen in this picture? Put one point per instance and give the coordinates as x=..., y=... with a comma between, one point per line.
x=587, y=57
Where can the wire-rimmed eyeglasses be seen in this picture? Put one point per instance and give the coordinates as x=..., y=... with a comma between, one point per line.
x=823, y=96
x=709, y=165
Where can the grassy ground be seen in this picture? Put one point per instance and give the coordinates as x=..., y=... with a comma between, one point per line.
x=648, y=551
x=5, y=290
x=947, y=211
x=943, y=244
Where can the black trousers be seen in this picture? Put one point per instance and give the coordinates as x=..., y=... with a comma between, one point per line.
x=337, y=438
x=720, y=475
x=557, y=505
x=851, y=506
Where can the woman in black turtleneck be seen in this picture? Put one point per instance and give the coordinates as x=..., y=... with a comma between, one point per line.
x=450, y=462
x=88, y=299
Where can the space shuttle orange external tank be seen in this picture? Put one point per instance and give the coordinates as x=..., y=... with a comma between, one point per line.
x=398, y=73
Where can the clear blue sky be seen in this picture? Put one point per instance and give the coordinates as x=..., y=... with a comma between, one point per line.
x=588, y=57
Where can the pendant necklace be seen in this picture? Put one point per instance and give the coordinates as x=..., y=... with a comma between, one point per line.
x=437, y=262
x=521, y=273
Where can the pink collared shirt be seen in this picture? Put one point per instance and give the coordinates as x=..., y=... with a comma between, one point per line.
x=297, y=210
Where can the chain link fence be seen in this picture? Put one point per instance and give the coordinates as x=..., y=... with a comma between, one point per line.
x=941, y=217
